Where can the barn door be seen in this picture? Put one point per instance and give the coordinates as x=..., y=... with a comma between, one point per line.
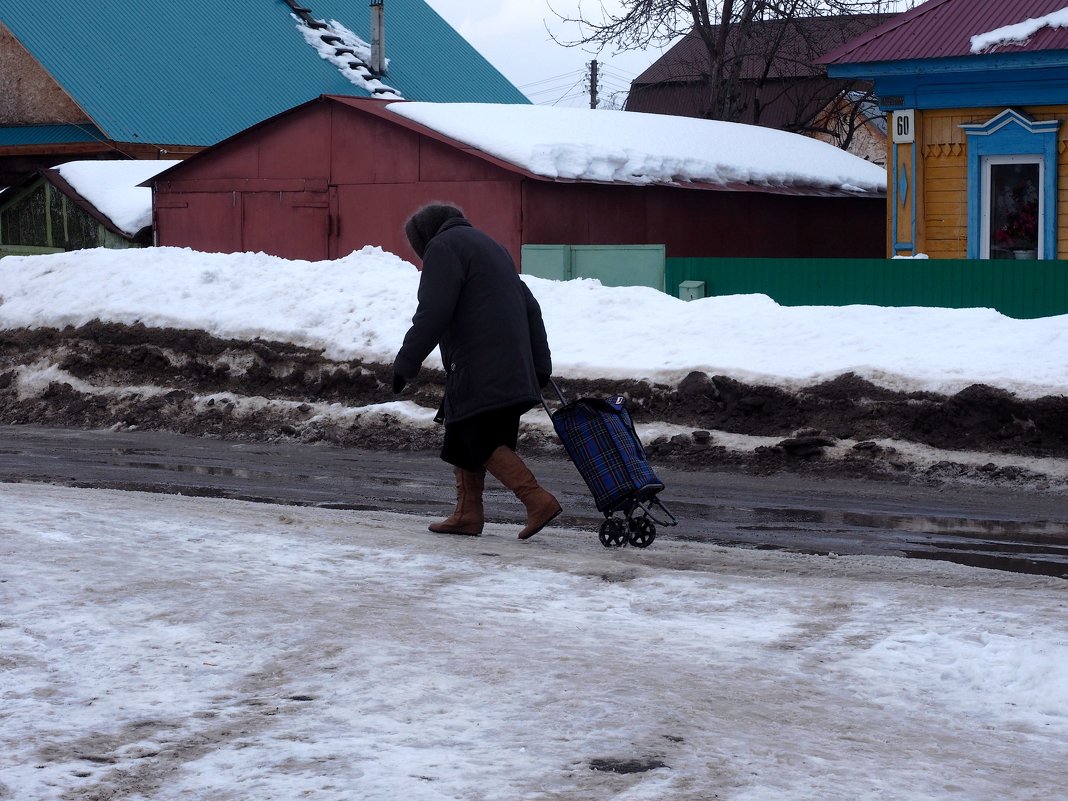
x=293, y=225
x=206, y=221
x=333, y=224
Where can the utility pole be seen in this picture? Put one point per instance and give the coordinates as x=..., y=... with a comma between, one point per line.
x=593, y=84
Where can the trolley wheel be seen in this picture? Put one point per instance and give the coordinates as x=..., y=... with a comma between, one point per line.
x=613, y=533
x=642, y=532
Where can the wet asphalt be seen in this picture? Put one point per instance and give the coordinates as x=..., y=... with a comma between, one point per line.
x=996, y=528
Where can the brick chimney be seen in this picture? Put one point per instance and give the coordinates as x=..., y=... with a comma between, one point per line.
x=378, y=37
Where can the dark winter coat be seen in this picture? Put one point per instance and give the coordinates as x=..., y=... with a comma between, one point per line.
x=484, y=320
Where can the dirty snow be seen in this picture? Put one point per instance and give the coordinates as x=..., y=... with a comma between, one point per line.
x=360, y=306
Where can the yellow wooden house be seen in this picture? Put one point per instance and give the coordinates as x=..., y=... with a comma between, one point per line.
x=977, y=92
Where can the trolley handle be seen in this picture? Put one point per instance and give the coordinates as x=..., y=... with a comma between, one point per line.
x=559, y=395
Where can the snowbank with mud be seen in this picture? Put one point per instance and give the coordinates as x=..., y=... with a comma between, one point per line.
x=255, y=347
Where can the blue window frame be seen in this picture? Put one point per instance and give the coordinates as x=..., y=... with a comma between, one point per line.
x=1012, y=187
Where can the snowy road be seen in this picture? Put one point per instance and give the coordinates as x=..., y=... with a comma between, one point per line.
x=156, y=647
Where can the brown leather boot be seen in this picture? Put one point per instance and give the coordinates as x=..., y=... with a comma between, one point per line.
x=468, y=517
x=505, y=465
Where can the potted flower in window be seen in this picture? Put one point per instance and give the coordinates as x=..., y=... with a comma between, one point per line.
x=1020, y=231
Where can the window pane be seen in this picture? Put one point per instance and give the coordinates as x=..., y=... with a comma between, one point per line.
x=1014, y=222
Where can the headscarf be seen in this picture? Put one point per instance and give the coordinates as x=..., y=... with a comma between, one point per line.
x=421, y=227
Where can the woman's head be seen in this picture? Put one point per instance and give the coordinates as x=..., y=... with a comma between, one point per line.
x=427, y=221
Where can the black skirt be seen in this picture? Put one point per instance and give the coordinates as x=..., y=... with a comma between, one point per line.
x=470, y=442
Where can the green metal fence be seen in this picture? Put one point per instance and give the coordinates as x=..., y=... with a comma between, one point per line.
x=1022, y=289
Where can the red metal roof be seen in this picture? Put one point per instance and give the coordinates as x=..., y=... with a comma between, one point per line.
x=794, y=89
x=794, y=43
x=944, y=29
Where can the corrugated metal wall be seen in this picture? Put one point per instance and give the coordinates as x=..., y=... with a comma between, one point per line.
x=1022, y=289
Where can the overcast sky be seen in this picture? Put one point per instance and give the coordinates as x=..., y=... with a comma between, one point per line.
x=512, y=35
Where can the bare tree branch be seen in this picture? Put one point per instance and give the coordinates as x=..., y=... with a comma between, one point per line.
x=747, y=47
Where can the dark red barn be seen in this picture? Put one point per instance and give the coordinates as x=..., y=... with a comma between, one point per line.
x=338, y=173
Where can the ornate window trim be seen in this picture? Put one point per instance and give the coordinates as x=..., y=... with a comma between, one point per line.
x=1012, y=133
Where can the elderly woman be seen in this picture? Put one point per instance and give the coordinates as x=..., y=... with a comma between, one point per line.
x=488, y=328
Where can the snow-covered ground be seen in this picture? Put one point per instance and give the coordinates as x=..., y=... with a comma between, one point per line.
x=160, y=647
x=360, y=306
x=156, y=647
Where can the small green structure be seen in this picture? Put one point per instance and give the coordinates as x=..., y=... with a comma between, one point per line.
x=612, y=265
x=45, y=214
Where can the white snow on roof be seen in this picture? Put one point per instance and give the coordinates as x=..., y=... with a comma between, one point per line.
x=635, y=148
x=1019, y=32
x=353, y=67
x=112, y=186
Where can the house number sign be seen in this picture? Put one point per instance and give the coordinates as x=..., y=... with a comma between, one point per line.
x=905, y=126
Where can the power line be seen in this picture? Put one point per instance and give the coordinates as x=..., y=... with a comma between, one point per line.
x=610, y=84
x=554, y=78
x=579, y=93
x=571, y=92
x=607, y=68
x=613, y=81
x=553, y=90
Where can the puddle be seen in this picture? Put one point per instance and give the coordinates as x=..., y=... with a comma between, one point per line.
x=201, y=470
x=996, y=560
x=1009, y=530
x=1038, y=547
x=626, y=765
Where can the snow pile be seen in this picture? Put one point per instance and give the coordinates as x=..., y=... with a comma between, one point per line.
x=113, y=187
x=636, y=148
x=360, y=306
x=1018, y=33
x=353, y=66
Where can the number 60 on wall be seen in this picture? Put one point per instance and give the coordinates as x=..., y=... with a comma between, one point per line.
x=904, y=126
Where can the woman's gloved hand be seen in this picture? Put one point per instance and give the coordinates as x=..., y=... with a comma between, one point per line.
x=398, y=383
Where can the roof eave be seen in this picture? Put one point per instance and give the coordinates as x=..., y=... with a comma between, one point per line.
x=796, y=190
x=984, y=62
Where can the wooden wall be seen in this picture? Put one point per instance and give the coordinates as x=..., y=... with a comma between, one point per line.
x=29, y=95
x=942, y=172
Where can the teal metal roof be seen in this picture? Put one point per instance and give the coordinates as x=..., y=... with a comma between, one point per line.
x=196, y=72
x=17, y=135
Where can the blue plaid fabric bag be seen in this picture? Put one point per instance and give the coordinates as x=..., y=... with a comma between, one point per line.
x=599, y=437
